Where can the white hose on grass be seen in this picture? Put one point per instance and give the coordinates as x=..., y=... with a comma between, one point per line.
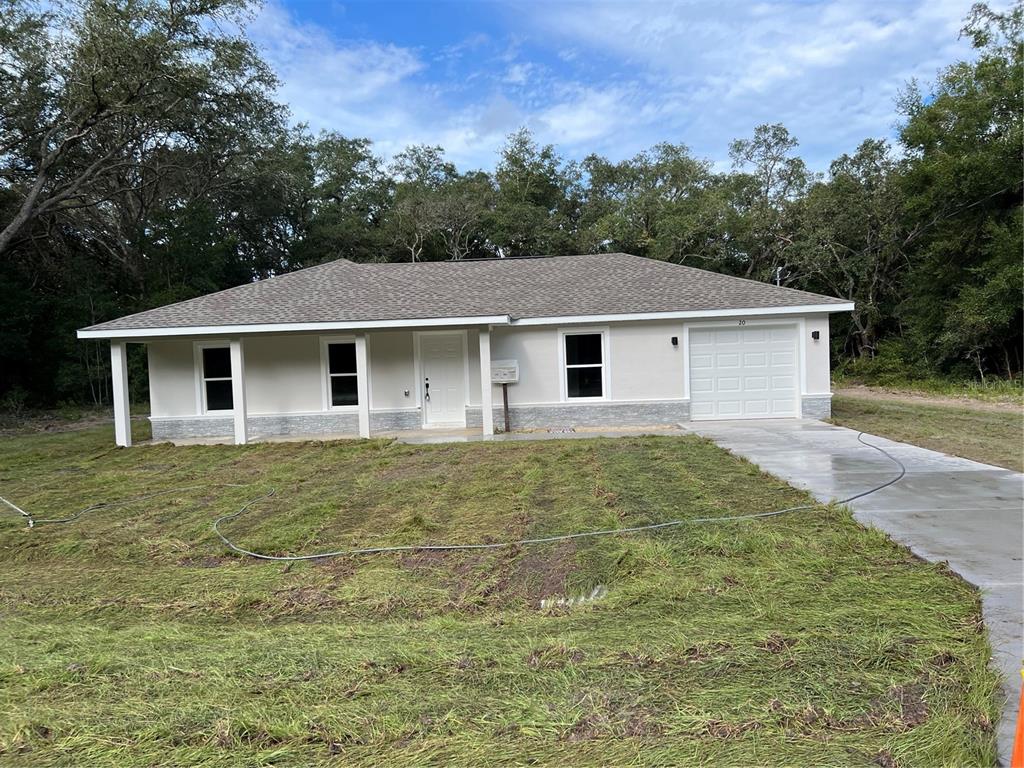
x=457, y=547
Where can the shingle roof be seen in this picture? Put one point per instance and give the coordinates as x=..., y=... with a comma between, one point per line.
x=343, y=291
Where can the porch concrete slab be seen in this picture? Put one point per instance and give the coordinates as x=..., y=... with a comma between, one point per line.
x=967, y=514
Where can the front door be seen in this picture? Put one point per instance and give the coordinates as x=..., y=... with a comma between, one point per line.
x=443, y=385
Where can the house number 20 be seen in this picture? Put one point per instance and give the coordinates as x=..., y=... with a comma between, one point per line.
x=743, y=322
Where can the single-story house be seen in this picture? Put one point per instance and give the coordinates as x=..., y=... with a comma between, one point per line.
x=360, y=349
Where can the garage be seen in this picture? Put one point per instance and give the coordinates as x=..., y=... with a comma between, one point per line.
x=744, y=372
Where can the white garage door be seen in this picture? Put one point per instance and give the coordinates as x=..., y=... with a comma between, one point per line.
x=747, y=372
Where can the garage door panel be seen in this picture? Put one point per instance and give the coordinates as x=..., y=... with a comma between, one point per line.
x=701, y=362
x=705, y=410
x=744, y=373
x=702, y=384
x=729, y=409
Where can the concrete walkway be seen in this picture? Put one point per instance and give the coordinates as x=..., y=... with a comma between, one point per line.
x=946, y=508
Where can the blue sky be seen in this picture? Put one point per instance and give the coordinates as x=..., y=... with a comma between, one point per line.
x=612, y=78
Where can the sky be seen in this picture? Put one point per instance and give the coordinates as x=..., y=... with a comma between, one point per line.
x=612, y=77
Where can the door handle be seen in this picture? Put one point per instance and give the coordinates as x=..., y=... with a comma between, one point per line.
x=426, y=389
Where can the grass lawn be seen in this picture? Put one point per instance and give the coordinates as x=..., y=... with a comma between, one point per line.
x=989, y=435
x=131, y=637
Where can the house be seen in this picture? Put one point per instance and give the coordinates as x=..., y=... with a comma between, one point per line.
x=361, y=349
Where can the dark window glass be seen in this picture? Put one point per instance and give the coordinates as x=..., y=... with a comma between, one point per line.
x=583, y=349
x=583, y=382
x=218, y=396
x=216, y=363
x=342, y=358
x=343, y=390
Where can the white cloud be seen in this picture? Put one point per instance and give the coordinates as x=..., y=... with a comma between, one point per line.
x=830, y=71
x=620, y=76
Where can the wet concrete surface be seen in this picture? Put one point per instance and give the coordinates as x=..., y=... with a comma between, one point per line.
x=968, y=514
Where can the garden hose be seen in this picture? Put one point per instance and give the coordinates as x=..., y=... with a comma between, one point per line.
x=457, y=547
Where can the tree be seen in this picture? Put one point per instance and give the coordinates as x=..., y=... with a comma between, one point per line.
x=537, y=201
x=852, y=238
x=106, y=100
x=417, y=208
x=964, y=144
x=765, y=196
x=649, y=205
x=466, y=201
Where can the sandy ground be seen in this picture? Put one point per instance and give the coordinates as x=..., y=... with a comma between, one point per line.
x=880, y=393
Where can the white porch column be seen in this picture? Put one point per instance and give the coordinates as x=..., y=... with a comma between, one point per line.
x=119, y=375
x=486, y=390
x=362, y=389
x=238, y=391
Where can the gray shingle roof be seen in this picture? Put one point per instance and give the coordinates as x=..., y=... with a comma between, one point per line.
x=342, y=291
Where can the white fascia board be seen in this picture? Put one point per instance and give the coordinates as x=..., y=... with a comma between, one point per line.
x=695, y=314
x=235, y=330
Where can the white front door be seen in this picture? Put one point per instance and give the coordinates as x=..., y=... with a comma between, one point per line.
x=745, y=372
x=443, y=374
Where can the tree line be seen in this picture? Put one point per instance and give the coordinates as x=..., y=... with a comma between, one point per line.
x=144, y=160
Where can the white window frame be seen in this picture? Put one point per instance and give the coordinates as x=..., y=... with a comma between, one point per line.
x=563, y=365
x=326, y=375
x=201, y=378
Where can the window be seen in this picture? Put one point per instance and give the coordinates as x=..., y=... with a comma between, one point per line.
x=584, y=365
x=217, y=379
x=341, y=374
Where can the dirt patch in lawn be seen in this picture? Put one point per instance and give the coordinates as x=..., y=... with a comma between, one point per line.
x=898, y=395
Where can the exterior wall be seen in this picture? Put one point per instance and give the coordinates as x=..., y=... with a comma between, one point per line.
x=536, y=349
x=642, y=364
x=819, y=361
x=646, y=381
x=172, y=378
x=607, y=414
x=283, y=374
x=392, y=370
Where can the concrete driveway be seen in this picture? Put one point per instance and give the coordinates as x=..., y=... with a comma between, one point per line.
x=946, y=508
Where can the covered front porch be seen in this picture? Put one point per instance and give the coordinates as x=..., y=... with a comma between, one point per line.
x=312, y=385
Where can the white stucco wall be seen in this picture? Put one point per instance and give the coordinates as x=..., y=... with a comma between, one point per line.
x=642, y=364
x=284, y=373
x=536, y=350
x=819, y=360
x=172, y=378
x=392, y=370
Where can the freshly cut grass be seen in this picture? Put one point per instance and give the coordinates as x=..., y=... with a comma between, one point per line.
x=989, y=436
x=132, y=637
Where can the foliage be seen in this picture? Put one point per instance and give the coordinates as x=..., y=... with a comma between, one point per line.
x=133, y=637
x=852, y=240
x=144, y=160
x=964, y=142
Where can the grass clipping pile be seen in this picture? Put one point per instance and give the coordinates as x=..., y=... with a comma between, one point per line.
x=131, y=637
